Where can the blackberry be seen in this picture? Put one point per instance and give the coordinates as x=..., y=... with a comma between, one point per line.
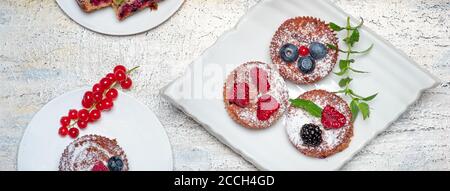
x=311, y=135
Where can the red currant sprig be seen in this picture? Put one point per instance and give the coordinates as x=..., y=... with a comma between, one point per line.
x=94, y=102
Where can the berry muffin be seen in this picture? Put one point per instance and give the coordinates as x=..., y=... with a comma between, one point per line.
x=93, y=153
x=299, y=50
x=255, y=95
x=125, y=8
x=322, y=136
x=92, y=5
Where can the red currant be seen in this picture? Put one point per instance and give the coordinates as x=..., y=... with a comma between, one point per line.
x=63, y=131
x=83, y=115
x=98, y=96
x=86, y=104
x=126, y=84
x=88, y=96
x=99, y=106
x=303, y=51
x=107, y=104
x=112, y=93
x=105, y=82
x=97, y=88
x=65, y=121
x=94, y=115
x=73, y=132
x=120, y=67
x=120, y=75
x=82, y=124
x=111, y=77
x=73, y=114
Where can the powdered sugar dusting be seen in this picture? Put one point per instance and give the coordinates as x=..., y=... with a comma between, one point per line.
x=331, y=138
x=84, y=152
x=278, y=90
x=302, y=31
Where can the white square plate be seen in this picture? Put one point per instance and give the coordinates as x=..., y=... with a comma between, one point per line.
x=397, y=79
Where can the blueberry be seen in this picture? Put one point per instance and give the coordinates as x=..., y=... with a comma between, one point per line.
x=311, y=135
x=306, y=64
x=318, y=50
x=289, y=52
x=115, y=163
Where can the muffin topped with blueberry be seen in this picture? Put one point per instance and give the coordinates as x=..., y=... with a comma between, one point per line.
x=93, y=153
x=299, y=50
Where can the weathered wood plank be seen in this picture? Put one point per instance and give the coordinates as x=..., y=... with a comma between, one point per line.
x=45, y=54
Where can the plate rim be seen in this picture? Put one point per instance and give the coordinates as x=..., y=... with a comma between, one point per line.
x=245, y=155
x=165, y=19
x=171, y=156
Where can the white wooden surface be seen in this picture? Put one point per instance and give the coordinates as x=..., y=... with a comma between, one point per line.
x=44, y=54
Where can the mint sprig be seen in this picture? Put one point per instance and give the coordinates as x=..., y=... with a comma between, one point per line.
x=358, y=103
x=308, y=106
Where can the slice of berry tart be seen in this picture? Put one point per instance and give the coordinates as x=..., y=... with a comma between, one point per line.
x=93, y=153
x=125, y=8
x=92, y=5
x=319, y=123
x=255, y=95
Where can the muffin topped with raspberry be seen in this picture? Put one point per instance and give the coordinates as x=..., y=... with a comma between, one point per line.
x=327, y=132
x=255, y=95
x=299, y=50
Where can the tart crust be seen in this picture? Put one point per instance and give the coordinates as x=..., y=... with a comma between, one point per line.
x=88, y=7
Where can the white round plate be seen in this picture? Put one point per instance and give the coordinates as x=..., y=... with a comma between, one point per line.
x=132, y=124
x=104, y=20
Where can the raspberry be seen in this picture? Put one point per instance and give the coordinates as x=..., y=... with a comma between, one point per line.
x=311, y=135
x=260, y=79
x=332, y=119
x=239, y=95
x=99, y=166
x=267, y=106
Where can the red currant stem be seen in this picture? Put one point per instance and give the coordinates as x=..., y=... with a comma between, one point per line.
x=133, y=69
x=103, y=95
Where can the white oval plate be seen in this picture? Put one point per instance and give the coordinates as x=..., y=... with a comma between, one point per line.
x=104, y=20
x=132, y=124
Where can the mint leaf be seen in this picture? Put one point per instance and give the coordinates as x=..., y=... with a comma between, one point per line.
x=335, y=27
x=361, y=23
x=354, y=37
x=344, y=64
x=370, y=97
x=308, y=106
x=344, y=82
x=354, y=108
x=357, y=71
x=364, y=51
x=365, y=111
x=340, y=91
x=331, y=46
x=342, y=72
